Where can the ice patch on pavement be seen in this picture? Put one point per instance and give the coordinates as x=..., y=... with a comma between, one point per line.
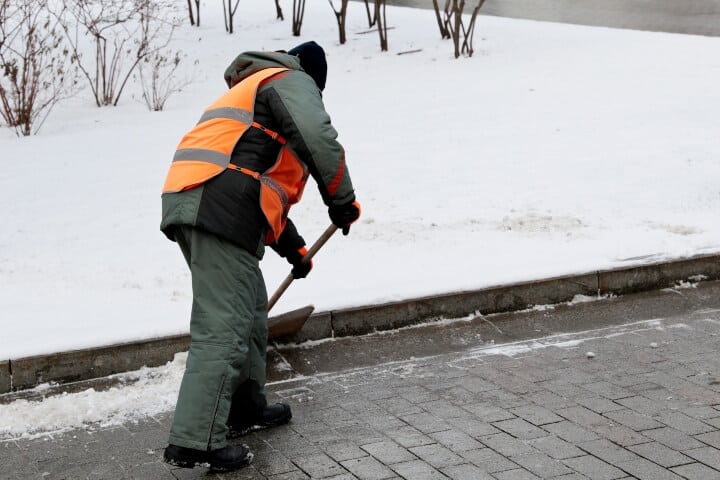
x=152, y=391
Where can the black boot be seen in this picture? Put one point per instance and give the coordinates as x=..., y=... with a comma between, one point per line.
x=230, y=457
x=270, y=416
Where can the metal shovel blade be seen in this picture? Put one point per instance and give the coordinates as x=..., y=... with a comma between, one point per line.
x=288, y=323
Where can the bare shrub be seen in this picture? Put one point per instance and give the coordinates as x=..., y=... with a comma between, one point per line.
x=298, y=14
x=194, y=16
x=381, y=20
x=229, y=14
x=340, y=16
x=159, y=79
x=451, y=24
x=372, y=18
x=122, y=31
x=36, y=70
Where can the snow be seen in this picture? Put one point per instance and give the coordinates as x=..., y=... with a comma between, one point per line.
x=139, y=394
x=555, y=149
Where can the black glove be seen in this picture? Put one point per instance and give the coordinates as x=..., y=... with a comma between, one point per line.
x=300, y=268
x=344, y=215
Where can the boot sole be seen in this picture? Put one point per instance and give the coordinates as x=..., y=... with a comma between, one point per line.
x=235, y=433
x=212, y=466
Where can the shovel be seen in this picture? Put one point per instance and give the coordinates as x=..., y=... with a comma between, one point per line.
x=291, y=322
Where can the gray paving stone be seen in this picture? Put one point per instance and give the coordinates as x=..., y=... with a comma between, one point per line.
x=684, y=423
x=660, y=454
x=294, y=475
x=608, y=451
x=594, y=468
x=466, y=471
x=156, y=471
x=488, y=413
x=536, y=414
x=575, y=376
x=555, y=447
x=710, y=456
x=712, y=438
x=473, y=427
x=551, y=401
x=340, y=450
x=620, y=434
x=417, y=470
x=15, y=463
x=597, y=403
x=384, y=423
x=368, y=468
x=456, y=441
x=519, y=428
x=399, y=406
x=506, y=445
x=443, y=409
x=633, y=420
x=571, y=432
x=608, y=390
x=503, y=397
x=410, y=437
x=481, y=379
x=702, y=412
x=417, y=394
x=542, y=465
x=583, y=416
x=459, y=396
x=697, y=471
x=360, y=434
x=642, y=404
x=425, y=422
x=319, y=466
x=674, y=439
x=109, y=470
x=389, y=452
x=646, y=470
x=271, y=462
x=488, y=460
x=437, y=455
x=518, y=474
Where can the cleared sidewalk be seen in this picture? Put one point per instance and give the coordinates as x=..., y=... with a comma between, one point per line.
x=646, y=405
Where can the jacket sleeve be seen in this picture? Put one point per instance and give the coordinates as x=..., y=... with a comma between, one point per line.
x=289, y=242
x=298, y=107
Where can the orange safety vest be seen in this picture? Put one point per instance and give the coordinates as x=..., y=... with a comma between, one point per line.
x=206, y=150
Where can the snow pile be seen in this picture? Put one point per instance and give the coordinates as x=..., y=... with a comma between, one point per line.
x=143, y=393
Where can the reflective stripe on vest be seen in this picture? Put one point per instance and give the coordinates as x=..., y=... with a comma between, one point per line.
x=205, y=151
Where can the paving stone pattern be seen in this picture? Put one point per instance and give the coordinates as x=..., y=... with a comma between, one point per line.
x=646, y=407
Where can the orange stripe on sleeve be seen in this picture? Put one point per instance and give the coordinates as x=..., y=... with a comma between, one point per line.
x=335, y=183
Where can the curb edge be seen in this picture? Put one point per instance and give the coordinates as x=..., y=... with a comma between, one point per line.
x=75, y=365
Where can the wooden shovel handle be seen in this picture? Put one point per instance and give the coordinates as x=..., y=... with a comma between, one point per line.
x=324, y=237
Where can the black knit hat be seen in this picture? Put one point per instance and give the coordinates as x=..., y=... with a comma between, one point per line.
x=312, y=60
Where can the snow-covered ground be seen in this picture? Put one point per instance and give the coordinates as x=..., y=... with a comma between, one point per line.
x=555, y=149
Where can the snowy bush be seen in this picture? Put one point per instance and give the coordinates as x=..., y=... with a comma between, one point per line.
x=122, y=32
x=36, y=70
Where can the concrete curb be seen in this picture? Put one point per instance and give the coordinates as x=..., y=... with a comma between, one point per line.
x=63, y=367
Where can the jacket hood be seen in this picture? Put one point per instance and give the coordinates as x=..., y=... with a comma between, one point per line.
x=248, y=63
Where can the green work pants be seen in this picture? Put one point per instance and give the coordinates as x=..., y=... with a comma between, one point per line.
x=228, y=329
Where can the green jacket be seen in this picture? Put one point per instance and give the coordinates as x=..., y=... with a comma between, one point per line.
x=228, y=205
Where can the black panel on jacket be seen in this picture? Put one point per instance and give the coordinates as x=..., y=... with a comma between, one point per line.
x=230, y=206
